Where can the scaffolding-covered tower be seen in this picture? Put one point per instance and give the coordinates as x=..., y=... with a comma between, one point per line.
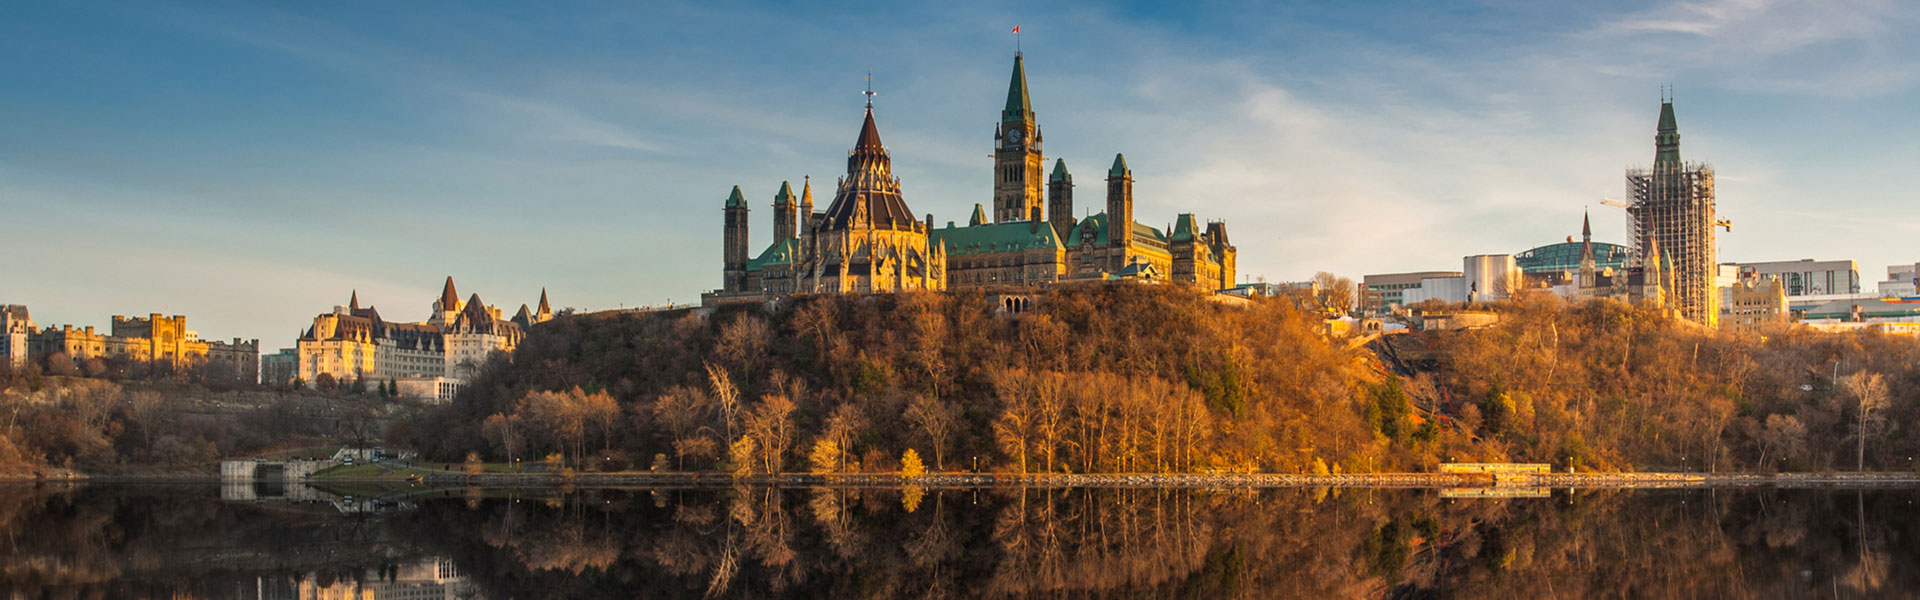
x=1673, y=203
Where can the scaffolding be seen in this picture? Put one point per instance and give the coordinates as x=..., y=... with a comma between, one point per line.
x=1673, y=203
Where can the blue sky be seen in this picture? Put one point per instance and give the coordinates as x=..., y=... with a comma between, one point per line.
x=248, y=164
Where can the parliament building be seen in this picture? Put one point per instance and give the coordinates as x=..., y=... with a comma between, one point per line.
x=868, y=240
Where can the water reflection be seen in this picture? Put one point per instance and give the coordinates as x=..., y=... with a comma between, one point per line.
x=195, y=541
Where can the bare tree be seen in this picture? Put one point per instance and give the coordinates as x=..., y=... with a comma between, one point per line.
x=1870, y=391
x=727, y=396
x=936, y=419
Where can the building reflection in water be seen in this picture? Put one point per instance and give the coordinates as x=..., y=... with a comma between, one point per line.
x=431, y=579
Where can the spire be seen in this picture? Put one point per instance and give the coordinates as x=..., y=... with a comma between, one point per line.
x=354, y=302
x=806, y=191
x=735, y=199
x=449, y=300
x=1119, y=167
x=544, y=309
x=979, y=216
x=1666, y=139
x=869, y=133
x=1060, y=171
x=1586, y=242
x=785, y=196
x=1019, y=104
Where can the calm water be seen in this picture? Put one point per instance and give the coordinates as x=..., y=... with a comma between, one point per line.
x=268, y=542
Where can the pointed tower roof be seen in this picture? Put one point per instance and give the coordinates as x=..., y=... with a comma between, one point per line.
x=1019, y=104
x=449, y=300
x=544, y=309
x=869, y=136
x=806, y=190
x=1666, y=139
x=524, y=317
x=735, y=199
x=354, y=302
x=869, y=196
x=979, y=216
x=1119, y=167
x=1586, y=240
x=1060, y=171
x=784, y=197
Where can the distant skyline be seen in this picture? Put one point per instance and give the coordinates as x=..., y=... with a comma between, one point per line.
x=249, y=166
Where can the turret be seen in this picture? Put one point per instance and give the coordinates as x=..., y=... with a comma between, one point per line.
x=785, y=214
x=979, y=216
x=734, y=255
x=1120, y=203
x=1060, y=199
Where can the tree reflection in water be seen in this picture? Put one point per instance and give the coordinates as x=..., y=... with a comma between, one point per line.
x=963, y=543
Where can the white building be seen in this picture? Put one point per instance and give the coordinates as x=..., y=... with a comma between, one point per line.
x=1490, y=277
x=1902, y=281
x=1808, y=277
x=15, y=326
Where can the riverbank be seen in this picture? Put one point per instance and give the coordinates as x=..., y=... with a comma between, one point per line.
x=1193, y=480
x=417, y=474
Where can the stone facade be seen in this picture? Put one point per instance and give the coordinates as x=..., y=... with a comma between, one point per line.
x=1755, y=304
x=153, y=340
x=353, y=343
x=869, y=241
x=1646, y=284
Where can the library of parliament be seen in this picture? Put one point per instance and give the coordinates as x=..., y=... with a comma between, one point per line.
x=868, y=240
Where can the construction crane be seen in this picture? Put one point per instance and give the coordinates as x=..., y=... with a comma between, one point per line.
x=1726, y=224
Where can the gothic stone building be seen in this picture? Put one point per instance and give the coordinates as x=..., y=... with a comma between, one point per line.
x=868, y=240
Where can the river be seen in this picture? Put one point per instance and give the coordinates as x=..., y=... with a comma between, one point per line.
x=269, y=541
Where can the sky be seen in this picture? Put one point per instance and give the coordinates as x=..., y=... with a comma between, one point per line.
x=250, y=165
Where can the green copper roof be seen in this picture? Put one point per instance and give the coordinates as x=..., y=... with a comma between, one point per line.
x=781, y=253
x=1666, y=141
x=1098, y=225
x=1060, y=171
x=1119, y=167
x=979, y=216
x=785, y=196
x=1185, y=229
x=736, y=199
x=1003, y=237
x=1019, y=106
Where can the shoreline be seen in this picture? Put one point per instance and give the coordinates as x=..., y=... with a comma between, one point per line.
x=1117, y=480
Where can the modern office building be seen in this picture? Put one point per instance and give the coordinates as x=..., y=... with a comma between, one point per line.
x=1807, y=277
x=1902, y=281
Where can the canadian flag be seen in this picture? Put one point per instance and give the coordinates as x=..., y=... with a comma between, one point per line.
x=1016, y=29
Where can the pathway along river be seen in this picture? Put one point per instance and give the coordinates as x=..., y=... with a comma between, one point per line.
x=128, y=541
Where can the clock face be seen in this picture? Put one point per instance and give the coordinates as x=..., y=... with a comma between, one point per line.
x=1013, y=137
